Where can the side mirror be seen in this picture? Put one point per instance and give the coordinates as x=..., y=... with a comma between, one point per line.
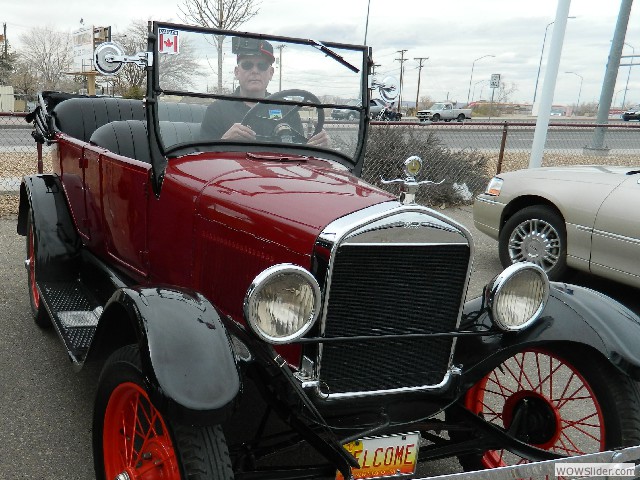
x=387, y=89
x=109, y=58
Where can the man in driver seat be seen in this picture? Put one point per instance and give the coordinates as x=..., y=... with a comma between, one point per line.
x=254, y=70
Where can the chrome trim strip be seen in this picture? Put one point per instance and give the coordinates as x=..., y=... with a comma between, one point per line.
x=602, y=233
x=486, y=200
x=445, y=381
x=338, y=231
x=547, y=468
x=374, y=244
x=616, y=236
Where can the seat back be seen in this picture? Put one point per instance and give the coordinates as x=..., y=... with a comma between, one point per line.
x=174, y=133
x=181, y=112
x=125, y=137
x=80, y=117
x=129, y=137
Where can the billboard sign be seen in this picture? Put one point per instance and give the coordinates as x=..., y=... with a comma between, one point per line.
x=84, y=42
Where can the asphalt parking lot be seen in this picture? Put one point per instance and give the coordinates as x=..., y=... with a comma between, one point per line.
x=46, y=407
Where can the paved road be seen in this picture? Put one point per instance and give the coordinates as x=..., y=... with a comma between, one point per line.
x=45, y=406
x=472, y=134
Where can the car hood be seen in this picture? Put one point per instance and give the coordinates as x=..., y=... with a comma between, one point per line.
x=601, y=174
x=287, y=202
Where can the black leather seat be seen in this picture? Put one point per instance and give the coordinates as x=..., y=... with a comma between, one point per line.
x=181, y=112
x=174, y=133
x=125, y=137
x=80, y=117
x=129, y=137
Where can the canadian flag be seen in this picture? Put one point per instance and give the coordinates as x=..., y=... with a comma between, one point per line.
x=168, y=41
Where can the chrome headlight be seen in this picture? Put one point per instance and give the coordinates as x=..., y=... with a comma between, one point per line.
x=282, y=303
x=517, y=296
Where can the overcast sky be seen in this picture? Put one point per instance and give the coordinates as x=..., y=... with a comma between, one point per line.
x=452, y=33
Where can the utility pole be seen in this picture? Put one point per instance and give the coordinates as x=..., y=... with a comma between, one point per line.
x=419, y=60
x=401, y=60
x=366, y=26
x=280, y=47
x=609, y=82
x=4, y=36
x=549, y=84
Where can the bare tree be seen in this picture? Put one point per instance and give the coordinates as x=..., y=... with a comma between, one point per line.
x=222, y=14
x=177, y=71
x=503, y=94
x=24, y=78
x=425, y=102
x=48, y=52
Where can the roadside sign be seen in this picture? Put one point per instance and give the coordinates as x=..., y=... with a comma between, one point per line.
x=495, y=80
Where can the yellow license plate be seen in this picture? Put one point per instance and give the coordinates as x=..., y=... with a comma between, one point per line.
x=381, y=457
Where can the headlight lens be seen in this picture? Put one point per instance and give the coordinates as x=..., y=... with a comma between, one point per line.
x=282, y=303
x=495, y=187
x=517, y=296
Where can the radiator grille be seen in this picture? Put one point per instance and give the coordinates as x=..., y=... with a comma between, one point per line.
x=392, y=290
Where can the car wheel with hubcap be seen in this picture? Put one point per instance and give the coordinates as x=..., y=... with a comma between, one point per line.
x=132, y=440
x=435, y=118
x=461, y=117
x=40, y=314
x=535, y=234
x=567, y=403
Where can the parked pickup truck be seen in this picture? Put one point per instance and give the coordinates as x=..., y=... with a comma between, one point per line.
x=444, y=111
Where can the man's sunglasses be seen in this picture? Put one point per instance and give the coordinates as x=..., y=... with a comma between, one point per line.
x=248, y=65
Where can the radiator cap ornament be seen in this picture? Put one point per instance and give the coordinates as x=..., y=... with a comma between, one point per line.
x=409, y=185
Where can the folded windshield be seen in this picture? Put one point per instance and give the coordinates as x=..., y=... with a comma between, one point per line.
x=259, y=90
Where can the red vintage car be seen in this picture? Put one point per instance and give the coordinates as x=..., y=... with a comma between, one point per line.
x=253, y=300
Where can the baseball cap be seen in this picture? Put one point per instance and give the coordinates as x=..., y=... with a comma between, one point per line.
x=242, y=46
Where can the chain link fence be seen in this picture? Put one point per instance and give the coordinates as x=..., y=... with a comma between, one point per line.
x=464, y=155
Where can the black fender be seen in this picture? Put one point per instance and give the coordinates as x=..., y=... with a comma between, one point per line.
x=185, y=350
x=58, y=244
x=575, y=316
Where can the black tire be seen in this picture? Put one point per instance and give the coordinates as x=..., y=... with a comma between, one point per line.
x=618, y=397
x=352, y=116
x=435, y=118
x=39, y=312
x=461, y=117
x=199, y=453
x=535, y=234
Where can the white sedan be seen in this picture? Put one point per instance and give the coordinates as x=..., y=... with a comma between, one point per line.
x=581, y=217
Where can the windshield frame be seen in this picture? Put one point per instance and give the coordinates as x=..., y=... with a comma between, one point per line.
x=161, y=154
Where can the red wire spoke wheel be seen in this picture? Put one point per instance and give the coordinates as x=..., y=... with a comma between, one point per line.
x=569, y=403
x=31, y=257
x=559, y=409
x=132, y=440
x=40, y=314
x=136, y=439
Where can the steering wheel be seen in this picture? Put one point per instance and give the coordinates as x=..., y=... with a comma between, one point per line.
x=280, y=128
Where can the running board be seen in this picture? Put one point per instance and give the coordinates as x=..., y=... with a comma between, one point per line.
x=74, y=313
